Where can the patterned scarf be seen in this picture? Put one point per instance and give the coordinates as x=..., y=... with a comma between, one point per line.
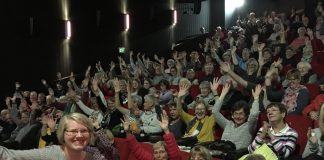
x=290, y=98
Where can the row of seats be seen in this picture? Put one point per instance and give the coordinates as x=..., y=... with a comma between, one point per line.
x=298, y=122
x=314, y=90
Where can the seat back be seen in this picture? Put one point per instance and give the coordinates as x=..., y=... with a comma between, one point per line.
x=300, y=124
x=145, y=146
x=122, y=146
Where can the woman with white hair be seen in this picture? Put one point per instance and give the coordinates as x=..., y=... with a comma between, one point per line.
x=306, y=74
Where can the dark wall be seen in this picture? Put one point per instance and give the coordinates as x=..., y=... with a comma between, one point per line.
x=29, y=57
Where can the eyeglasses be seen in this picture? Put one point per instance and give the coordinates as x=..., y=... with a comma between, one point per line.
x=74, y=132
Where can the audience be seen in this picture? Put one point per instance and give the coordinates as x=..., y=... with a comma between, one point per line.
x=283, y=54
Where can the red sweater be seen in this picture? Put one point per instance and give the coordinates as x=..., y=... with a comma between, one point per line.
x=171, y=148
x=314, y=105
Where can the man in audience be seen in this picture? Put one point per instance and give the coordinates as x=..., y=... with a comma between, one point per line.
x=176, y=125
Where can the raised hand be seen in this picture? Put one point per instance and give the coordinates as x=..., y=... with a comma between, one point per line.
x=265, y=129
x=164, y=123
x=256, y=92
x=125, y=123
x=112, y=65
x=51, y=122
x=225, y=67
x=8, y=100
x=128, y=87
x=311, y=136
x=214, y=85
x=225, y=89
x=261, y=46
x=116, y=85
x=87, y=74
x=183, y=89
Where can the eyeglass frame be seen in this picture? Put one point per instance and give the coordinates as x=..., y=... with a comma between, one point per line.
x=74, y=132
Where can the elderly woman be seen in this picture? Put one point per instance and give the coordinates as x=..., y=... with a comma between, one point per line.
x=200, y=127
x=205, y=95
x=295, y=97
x=305, y=72
x=74, y=133
x=200, y=153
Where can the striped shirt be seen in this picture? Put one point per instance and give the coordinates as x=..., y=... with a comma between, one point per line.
x=283, y=144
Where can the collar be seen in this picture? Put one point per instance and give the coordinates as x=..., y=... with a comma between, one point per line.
x=283, y=130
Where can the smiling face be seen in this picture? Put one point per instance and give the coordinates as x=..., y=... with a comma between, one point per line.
x=200, y=111
x=76, y=136
x=239, y=116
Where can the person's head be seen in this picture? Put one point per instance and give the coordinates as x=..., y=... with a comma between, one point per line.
x=293, y=77
x=174, y=113
x=136, y=84
x=301, y=31
x=303, y=68
x=240, y=111
x=157, y=69
x=190, y=74
x=252, y=65
x=5, y=116
x=147, y=83
x=290, y=52
x=170, y=63
x=137, y=100
x=173, y=71
x=159, y=152
x=24, y=117
x=307, y=51
x=200, y=153
x=276, y=112
x=227, y=57
x=255, y=157
x=123, y=86
x=41, y=98
x=276, y=27
x=245, y=54
x=208, y=68
x=33, y=96
x=75, y=131
x=267, y=54
x=111, y=105
x=200, y=109
x=204, y=88
x=149, y=101
x=164, y=85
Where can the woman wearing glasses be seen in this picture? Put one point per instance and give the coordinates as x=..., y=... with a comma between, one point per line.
x=74, y=133
x=295, y=97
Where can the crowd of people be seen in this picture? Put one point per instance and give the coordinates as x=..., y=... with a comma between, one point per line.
x=262, y=65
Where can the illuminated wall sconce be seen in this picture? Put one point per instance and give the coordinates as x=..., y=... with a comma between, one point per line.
x=126, y=22
x=68, y=30
x=175, y=17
